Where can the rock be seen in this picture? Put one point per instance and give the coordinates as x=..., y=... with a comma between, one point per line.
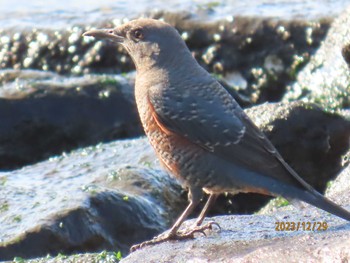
x=254, y=238
x=105, y=197
x=310, y=139
x=325, y=79
x=43, y=114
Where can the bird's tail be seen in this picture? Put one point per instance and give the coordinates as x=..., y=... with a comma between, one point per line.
x=316, y=199
x=245, y=179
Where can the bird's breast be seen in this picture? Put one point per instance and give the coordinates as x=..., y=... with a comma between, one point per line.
x=174, y=151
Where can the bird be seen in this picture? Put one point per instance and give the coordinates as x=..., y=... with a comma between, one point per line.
x=199, y=133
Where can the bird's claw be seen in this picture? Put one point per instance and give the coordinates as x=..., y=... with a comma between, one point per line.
x=181, y=235
x=210, y=225
x=207, y=226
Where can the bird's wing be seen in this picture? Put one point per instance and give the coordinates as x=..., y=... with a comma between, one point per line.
x=202, y=118
x=209, y=117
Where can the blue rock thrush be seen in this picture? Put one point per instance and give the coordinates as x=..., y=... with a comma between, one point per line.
x=199, y=132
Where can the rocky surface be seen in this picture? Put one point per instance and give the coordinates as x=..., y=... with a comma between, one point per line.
x=325, y=79
x=104, y=197
x=43, y=114
x=250, y=239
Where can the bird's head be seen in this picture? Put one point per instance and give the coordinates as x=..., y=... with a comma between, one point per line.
x=149, y=42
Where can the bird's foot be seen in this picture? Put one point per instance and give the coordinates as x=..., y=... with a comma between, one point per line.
x=208, y=225
x=180, y=235
x=201, y=228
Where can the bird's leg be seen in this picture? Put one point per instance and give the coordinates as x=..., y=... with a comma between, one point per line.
x=173, y=234
x=197, y=226
x=179, y=221
x=208, y=204
x=211, y=200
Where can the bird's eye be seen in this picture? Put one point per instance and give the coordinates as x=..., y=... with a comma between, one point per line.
x=138, y=34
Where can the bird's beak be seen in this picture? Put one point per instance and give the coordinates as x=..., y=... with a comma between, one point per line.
x=111, y=34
